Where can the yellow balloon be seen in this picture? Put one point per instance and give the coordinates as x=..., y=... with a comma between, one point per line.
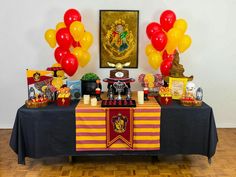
x=181, y=24
x=50, y=37
x=77, y=30
x=77, y=52
x=170, y=48
x=149, y=49
x=85, y=59
x=184, y=43
x=174, y=36
x=82, y=56
x=86, y=40
x=60, y=25
x=155, y=59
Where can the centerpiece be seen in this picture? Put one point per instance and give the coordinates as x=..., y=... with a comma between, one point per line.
x=119, y=75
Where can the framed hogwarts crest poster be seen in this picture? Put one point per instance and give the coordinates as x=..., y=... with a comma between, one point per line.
x=119, y=37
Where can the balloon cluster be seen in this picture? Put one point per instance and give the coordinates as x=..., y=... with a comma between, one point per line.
x=73, y=42
x=167, y=38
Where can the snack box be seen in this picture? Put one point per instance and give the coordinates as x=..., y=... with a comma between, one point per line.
x=164, y=100
x=63, y=101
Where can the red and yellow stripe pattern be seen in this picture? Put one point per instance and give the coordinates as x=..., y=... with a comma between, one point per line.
x=91, y=129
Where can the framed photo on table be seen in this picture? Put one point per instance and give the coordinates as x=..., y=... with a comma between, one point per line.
x=119, y=37
x=178, y=87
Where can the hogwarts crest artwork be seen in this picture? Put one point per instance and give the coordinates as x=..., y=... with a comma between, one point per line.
x=119, y=37
x=119, y=123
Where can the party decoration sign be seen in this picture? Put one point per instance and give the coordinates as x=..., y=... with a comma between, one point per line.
x=177, y=87
x=119, y=37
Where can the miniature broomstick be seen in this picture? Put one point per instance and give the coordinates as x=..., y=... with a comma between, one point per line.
x=177, y=70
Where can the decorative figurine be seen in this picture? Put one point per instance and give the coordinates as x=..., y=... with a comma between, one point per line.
x=118, y=66
x=199, y=94
x=98, y=91
x=31, y=93
x=128, y=96
x=190, y=100
x=190, y=89
x=177, y=70
x=119, y=86
x=110, y=94
x=146, y=91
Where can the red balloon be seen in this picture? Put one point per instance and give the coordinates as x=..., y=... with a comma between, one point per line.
x=64, y=38
x=153, y=28
x=166, y=56
x=69, y=64
x=167, y=20
x=60, y=53
x=159, y=40
x=76, y=44
x=165, y=67
x=70, y=16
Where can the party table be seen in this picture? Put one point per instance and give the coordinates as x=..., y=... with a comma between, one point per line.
x=50, y=131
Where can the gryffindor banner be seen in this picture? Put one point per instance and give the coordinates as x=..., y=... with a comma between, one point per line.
x=119, y=126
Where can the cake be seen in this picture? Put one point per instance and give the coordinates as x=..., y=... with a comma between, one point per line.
x=119, y=74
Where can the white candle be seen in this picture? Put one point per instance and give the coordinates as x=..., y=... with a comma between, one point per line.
x=86, y=99
x=93, y=101
x=140, y=97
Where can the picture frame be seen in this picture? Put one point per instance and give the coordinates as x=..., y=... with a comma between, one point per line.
x=39, y=83
x=178, y=87
x=119, y=37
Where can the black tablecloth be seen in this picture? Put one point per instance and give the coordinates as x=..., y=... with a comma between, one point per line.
x=50, y=131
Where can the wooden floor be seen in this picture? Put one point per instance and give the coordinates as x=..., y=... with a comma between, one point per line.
x=223, y=164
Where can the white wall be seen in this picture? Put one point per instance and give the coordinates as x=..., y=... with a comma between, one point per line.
x=211, y=58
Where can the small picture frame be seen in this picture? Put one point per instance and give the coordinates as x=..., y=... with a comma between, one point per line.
x=178, y=87
x=75, y=89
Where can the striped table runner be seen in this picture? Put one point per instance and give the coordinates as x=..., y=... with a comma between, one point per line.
x=91, y=129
